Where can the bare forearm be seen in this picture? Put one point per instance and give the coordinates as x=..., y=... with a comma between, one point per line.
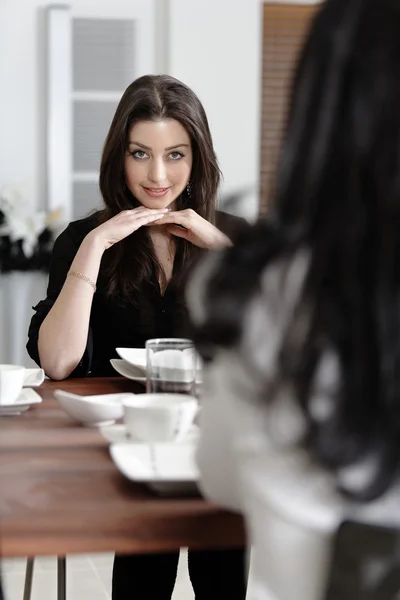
x=64, y=332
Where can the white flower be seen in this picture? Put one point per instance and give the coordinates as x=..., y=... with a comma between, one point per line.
x=10, y=199
x=22, y=223
x=27, y=228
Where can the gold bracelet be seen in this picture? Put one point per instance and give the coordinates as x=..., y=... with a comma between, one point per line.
x=84, y=277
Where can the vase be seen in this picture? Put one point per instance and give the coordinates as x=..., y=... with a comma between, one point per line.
x=19, y=292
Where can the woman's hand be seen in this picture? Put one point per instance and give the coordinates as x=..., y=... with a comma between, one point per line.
x=124, y=223
x=189, y=225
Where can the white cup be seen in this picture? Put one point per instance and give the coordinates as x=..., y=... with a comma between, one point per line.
x=159, y=417
x=11, y=383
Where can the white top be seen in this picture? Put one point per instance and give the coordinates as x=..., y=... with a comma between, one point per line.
x=250, y=463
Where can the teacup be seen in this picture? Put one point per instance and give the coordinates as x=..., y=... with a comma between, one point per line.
x=159, y=417
x=11, y=383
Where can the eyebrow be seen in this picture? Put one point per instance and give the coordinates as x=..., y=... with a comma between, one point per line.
x=133, y=143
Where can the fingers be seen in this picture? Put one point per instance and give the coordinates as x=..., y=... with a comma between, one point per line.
x=135, y=215
x=142, y=210
x=176, y=218
x=132, y=219
x=146, y=219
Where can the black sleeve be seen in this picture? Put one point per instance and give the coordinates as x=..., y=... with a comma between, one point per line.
x=65, y=248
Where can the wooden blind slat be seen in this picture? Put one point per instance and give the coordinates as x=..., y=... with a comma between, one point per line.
x=284, y=30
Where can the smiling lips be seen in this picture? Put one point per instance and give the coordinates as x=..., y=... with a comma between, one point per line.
x=156, y=192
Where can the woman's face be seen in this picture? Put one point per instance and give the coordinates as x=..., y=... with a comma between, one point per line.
x=158, y=162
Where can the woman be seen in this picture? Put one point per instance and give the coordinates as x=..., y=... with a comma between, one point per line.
x=117, y=278
x=300, y=322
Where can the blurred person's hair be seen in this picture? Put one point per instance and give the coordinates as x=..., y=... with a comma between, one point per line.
x=152, y=98
x=338, y=195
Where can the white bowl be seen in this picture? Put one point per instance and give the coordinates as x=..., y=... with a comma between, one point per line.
x=134, y=356
x=103, y=409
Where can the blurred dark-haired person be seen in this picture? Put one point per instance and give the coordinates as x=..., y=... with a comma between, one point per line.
x=117, y=279
x=299, y=323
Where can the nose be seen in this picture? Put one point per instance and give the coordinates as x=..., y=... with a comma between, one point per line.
x=157, y=171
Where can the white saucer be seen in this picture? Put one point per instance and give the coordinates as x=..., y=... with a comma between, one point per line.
x=23, y=403
x=33, y=377
x=127, y=370
x=134, y=372
x=116, y=434
x=166, y=468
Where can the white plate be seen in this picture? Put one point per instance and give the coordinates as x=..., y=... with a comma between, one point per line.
x=134, y=372
x=134, y=356
x=166, y=468
x=118, y=434
x=23, y=403
x=127, y=370
x=33, y=377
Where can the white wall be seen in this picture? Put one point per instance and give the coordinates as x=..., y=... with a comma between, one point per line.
x=22, y=116
x=215, y=48
x=18, y=104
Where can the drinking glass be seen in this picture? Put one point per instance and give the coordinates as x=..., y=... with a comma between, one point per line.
x=171, y=366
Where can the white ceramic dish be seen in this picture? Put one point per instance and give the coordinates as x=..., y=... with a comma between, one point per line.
x=33, y=377
x=166, y=468
x=134, y=372
x=154, y=418
x=127, y=370
x=25, y=400
x=135, y=357
x=92, y=411
x=11, y=382
x=118, y=433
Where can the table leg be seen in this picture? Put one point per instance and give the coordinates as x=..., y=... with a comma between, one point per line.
x=61, y=578
x=28, y=578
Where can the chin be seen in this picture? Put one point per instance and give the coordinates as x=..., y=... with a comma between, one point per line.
x=157, y=202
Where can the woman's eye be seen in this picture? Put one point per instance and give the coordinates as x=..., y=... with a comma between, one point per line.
x=175, y=155
x=139, y=154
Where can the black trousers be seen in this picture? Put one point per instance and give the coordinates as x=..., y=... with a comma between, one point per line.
x=215, y=575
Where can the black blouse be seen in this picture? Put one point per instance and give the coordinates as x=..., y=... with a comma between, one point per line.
x=115, y=323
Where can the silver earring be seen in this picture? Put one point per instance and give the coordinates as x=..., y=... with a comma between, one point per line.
x=189, y=188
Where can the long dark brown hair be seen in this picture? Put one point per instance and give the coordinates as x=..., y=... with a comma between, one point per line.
x=150, y=98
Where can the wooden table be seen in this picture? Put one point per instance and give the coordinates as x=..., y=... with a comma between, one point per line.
x=60, y=492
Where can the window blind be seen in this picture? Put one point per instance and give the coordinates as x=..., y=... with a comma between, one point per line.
x=284, y=30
